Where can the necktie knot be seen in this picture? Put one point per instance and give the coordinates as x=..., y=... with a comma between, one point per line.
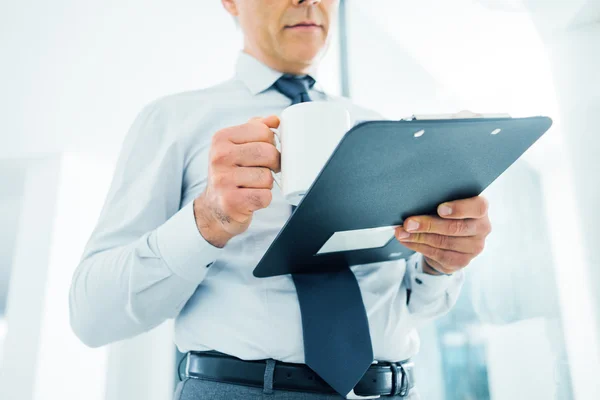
x=294, y=87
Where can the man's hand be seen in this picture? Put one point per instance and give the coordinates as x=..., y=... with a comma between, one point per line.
x=448, y=242
x=239, y=179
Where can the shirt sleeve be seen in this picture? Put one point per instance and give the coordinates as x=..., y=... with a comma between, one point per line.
x=431, y=296
x=145, y=257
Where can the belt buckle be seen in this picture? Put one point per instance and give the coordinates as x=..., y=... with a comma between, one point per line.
x=354, y=396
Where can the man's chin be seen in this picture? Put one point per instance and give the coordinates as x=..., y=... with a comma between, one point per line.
x=303, y=55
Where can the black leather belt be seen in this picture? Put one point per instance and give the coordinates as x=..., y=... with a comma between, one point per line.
x=381, y=379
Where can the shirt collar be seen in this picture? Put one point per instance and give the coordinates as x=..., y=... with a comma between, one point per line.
x=257, y=76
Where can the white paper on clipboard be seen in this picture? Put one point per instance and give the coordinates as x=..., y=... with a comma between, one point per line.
x=359, y=239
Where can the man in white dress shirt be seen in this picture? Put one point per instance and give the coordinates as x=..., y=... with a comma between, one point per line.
x=192, y=209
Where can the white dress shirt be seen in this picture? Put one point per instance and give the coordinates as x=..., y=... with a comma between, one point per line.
x=147, y=262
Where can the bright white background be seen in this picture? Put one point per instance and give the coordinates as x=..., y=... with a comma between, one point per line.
x=75, y=73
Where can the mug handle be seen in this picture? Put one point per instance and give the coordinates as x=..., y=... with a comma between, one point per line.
x=277, y=175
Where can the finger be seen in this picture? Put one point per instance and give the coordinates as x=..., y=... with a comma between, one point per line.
x=475, y=207
x=272, y=121
x=257, y=154
x=449, y=261
x=470, y=245
x=245, y=201
x=256, y=199
x=253, y=178
x=448, y=227
x=255, y=130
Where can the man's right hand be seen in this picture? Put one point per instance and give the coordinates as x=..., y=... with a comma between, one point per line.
x=239, y=179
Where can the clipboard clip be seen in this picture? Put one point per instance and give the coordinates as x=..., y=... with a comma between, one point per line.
x=465, y=114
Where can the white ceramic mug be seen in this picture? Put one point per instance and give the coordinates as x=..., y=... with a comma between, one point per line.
x=308, y=134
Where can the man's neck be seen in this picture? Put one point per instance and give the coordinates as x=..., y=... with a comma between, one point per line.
x=280, y=65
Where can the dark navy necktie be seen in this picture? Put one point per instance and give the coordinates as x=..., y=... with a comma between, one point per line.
x=337, y=342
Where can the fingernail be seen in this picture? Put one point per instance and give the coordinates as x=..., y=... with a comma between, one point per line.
x=445, y=210
x=412, y=225
x=403, y=234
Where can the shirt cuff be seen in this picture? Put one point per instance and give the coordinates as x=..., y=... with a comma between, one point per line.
x=420, y=280
x=183, y=248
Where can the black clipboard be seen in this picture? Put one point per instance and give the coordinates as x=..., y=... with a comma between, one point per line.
x=382, y=172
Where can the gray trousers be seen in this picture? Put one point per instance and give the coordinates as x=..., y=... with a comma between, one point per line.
x=197, y=389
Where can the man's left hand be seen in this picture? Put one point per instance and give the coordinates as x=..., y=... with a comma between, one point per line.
x=448, y=242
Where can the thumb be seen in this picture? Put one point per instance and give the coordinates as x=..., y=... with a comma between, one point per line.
x=272, y=121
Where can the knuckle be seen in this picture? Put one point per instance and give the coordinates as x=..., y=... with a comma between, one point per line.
x=266, y=134
x=427, y=225
x=479, y=247
x=457, y=227
x=268, y=151
x=220, y=180
x=487, y=228
x=462, y=261
x=219, y=154
x=483, y=206
x=268, y=178
x=272, y=153
x=260, y=130
x=254, y=123
x=267, y=197
x=247, y=127
x=219, y=137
